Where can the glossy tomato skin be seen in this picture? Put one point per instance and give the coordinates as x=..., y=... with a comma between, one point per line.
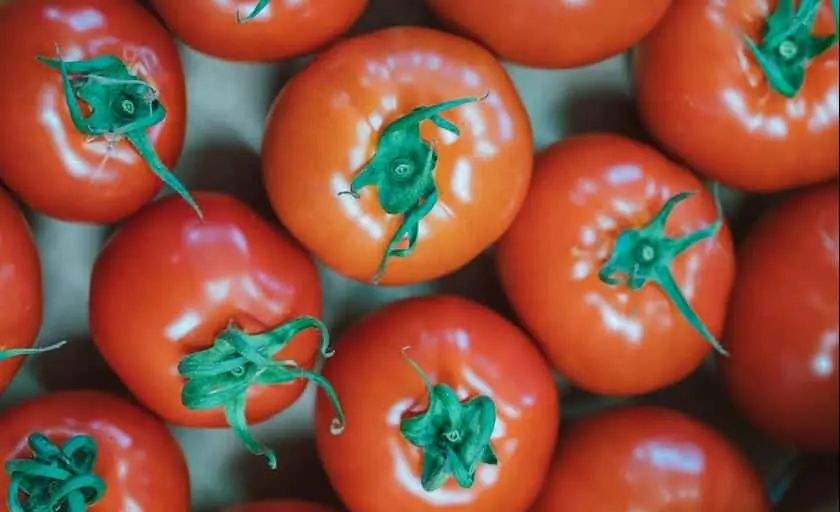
x=711, y=105
x=281, y=506
x=552, y=34
x=325, y=125
x=645, y=458
x=609, y=339
x=284, y=29
x=21, y=302
x=137, y=457
x=166, y=284
x=44, y=159
x=456, y=342
x=782, y=327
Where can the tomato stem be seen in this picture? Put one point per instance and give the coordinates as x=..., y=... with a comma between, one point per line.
x=260, y=7
x=220, y=376
x=122, y=107
x=645, y=255
x=402, y=169
x=454, y=436
x=55, y=478
x=788, y=45
x=8, y=354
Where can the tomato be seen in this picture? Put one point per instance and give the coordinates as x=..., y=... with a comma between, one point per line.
x=751, y=126
x=96, y=146
x=601, y=206
x=450, y=407
x=645, y=458
x=113, y=456
x=222, y=311
x=782, y=327
x=279, y=30
x=552, y=34
x=360, y=179
x=281, y=506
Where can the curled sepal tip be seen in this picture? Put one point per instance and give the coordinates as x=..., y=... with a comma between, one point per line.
x=454, y=436
x=402, y=170
x=122, y=106
x=645, y=255
x=19, y=352
x=260, y=7
x=788, y=45
x=55, y=478
x=221, y=375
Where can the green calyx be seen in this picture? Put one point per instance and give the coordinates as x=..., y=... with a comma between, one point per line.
x=788, y=45
x=221, y=375
x=53, y=478
x=19, y=352
x=645, y=255
x=402, y=170
x=122, y=106
x=260, y=7
x=454, y=436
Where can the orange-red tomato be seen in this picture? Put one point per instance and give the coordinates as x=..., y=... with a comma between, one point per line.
x=644, y=458
x=588, y=195
x=44, y=158
x=475, y=359
x=111, y=446
x=281, y=506
x=713, y=106
x=187, y=294
x=21, y=301
x=281, y=29
x=783, y=322
x=347, y=123
x=552, y=34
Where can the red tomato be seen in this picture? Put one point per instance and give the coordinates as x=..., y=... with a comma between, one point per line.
x=21, y=302
x=94, y=176
x=782, y=328
x=580, y=227
x=281, y=506
x=713, y=105
x=221, y=310
x=485, y=440
x=281, y=29
x=552, y=34
x=113, y=455
x=357, y=176
x=644, y=458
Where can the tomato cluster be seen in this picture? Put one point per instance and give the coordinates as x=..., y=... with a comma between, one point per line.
x=395, y=158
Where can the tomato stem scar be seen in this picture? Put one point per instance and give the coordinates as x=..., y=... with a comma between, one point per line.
x=260, y=7
x=402, y=170
x=454, y=436
x=646, y=254
x=55, y=478
x=8, y=354
x=787, y=46
x=220, y=376
x=121, y=106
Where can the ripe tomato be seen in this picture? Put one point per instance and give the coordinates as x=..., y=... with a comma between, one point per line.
x=483, y=442
x=222, y=311
x=278, y=29
x=714, y=106
x=352, y=121
x=66, y=156
x=281, y=506
x=552, y=34
x=580, y=227
x=782, y=328
x=72, y=450
x=645, y=458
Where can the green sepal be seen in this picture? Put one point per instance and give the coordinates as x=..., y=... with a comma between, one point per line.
x=260, y=7
x=20, y=352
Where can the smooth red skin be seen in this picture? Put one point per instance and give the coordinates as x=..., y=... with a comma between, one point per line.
x=571, y=318
x=138, y=458
x=43, y=158
x=164, y=264
x=283, y=30
x=783, y=319
x=552, y=33
x=456, y=342
x=21, y=300
x=281, y=506
x=314, y=146
x=680, y=86
x=645, y=458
